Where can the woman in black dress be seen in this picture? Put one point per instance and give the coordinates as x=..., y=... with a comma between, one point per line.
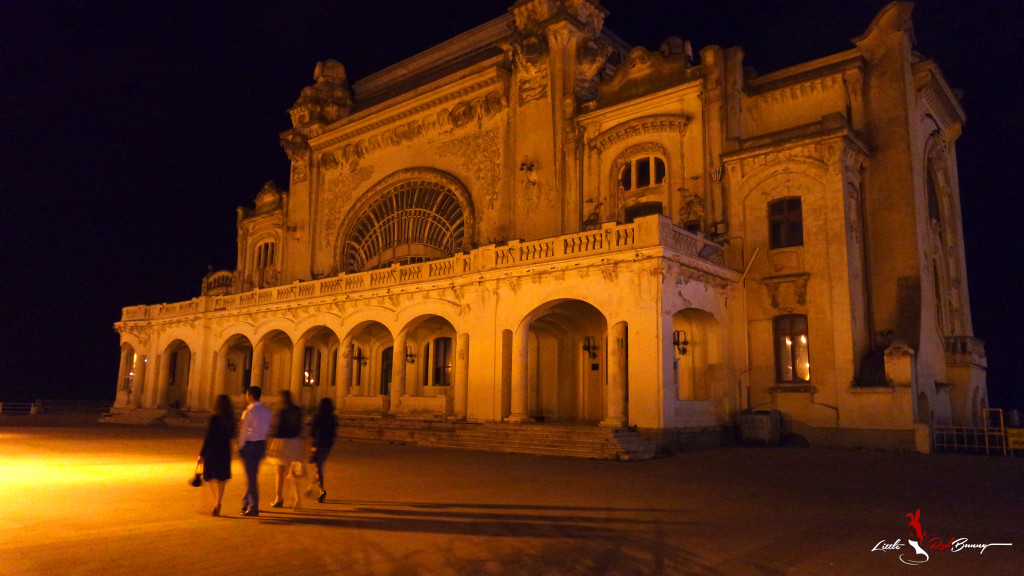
x=215, y=455
x=323, y=431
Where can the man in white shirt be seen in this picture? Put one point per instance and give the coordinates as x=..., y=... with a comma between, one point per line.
x=252, y=447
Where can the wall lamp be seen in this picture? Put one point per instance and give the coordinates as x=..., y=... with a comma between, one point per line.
x=358, y=357
x=231, y=365
x=409, y=356
x=590, y=346
x=680, y=342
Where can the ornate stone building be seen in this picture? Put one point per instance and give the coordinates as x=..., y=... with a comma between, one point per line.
x=535, y=221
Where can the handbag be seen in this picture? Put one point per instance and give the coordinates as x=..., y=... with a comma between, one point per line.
x=197, y=478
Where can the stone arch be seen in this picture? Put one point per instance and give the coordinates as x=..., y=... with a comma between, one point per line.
x=431, y=339
x=371, y=374
x=409, y=216
x=175, y=374
x=559, y=363
x=272, y=359
x=234, y=366
x=315, y=376
x=699, y=358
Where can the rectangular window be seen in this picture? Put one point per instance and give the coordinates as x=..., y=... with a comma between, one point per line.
x=792, y=359
x=785, y=223
x=643, y=172
x=442, y=362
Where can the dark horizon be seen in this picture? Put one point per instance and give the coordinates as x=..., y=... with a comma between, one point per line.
x=131, y=133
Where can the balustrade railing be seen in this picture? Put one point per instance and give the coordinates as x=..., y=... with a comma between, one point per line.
x=647, y=232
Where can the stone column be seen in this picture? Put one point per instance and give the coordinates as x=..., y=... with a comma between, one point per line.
x=122, y=373
x=616, y=400
x=257, y=365
x=398, y=371
x=220, y=373
x=461, y=376
x=161, y=380
x=297, y=369
x=343, y=372
x=520, y=377
x=138, y=381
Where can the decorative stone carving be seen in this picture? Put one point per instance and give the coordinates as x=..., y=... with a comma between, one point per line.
x=644, y=72
x=691, y=206
x=480, y=153
x=325, y=102
x=530, y=55
x=591, y=55
x=787, y=292
x=636, y=128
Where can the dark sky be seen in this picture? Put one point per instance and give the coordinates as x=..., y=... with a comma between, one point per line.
x=130, y=131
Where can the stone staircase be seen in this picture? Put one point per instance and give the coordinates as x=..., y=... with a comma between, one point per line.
x=566, y=440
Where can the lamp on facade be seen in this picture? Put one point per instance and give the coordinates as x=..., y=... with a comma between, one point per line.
x=680, y=342
x=409, y=356
x=358, y=357
x=231, y=365
x=590, y=346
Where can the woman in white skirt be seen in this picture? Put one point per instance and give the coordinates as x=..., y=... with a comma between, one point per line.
x=287, y=448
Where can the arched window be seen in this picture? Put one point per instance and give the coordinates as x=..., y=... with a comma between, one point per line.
x=792, y=359
x=263, y=263
x=412, y=221
x=642, y=172
x=785, y=223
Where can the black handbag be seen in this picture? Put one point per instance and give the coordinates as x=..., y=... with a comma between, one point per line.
x=197, y=479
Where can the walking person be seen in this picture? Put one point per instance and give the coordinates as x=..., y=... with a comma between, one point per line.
x=322, y=432
x=252, y=447
x=287, y=448
x=215, y=455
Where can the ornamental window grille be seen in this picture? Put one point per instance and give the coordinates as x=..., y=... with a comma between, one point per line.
x=411, y=222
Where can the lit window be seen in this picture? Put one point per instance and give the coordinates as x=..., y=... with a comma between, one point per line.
x=792, y=360
x=641, y=172
x=785, y=223
x=311, y=367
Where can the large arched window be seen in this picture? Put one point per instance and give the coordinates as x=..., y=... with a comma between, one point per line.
x=410, y=221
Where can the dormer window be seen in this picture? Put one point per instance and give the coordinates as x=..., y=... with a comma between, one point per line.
x=641, y=172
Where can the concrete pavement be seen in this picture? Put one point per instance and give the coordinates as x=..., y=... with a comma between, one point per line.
x=112, y=500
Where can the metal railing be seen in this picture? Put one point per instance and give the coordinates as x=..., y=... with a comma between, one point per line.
x=992, y=438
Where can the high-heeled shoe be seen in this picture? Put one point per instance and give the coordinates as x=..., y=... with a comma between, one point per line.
x=216, y=510
x=277, y=503
x=322, y=497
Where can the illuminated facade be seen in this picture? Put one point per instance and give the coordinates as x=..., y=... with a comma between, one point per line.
x=535, y=221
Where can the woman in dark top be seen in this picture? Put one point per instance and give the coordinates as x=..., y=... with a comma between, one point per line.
x=323, y=431
x=287, y=448
x=215, y=455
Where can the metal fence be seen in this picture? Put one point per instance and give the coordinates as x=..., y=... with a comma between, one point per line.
x=994, y=438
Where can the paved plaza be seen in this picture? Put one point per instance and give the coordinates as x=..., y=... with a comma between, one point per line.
x=112, y=500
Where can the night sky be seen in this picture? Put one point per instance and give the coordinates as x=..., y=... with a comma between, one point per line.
x=130, y=131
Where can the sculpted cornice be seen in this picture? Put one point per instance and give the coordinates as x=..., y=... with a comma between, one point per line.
x=935, y=94
x=638, y=128
x=833, y=150
x=380, y=117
